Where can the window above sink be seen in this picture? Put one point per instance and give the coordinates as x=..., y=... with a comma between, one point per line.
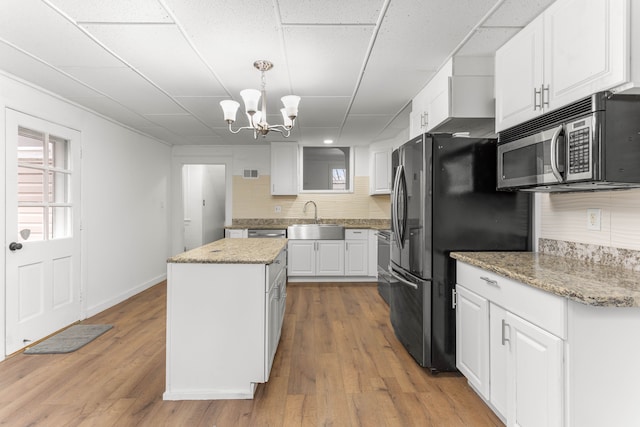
x=327, y=169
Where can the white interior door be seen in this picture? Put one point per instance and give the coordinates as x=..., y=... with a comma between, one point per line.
x=42, y=251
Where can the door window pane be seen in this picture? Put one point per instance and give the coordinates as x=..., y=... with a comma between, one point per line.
x=30, y=185
x=44, y=187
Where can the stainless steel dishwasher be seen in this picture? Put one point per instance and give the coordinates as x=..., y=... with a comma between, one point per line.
x=270, y=233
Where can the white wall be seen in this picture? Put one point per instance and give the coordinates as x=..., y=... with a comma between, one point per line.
x=125, y=191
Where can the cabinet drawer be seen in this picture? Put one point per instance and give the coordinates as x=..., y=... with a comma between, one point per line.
x=541, y=308
x=356, y=234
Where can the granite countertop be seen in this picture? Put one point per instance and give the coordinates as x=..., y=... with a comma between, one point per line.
x=233, y=251
x=283, y=223
x=582, y=281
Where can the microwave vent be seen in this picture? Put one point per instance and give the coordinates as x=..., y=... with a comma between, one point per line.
x=547, y=120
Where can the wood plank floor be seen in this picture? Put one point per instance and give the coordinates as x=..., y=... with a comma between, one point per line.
x=338, y=364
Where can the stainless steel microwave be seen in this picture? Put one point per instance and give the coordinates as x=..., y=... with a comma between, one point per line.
x=593, y=144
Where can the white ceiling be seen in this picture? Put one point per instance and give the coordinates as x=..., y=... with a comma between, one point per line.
x=162, y=66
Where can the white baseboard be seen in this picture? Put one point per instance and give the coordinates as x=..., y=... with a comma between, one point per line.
x=300, y=279
x=92, y=311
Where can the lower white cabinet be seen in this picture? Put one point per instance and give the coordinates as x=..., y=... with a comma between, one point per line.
x=223, y=327
x=472, y=340
x=534, y=374
x=504, y=350
x=356, y=261
x=354, y=258
x=236, y=233
x=316, y=257
x=538, y=359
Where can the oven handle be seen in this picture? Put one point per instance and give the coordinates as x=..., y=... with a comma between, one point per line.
x=402, y=280
x=554, y=153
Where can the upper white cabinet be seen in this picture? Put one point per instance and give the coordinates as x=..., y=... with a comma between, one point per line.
x=284, y=168
x=380, y=171
x=575, y=48
x=458, y=98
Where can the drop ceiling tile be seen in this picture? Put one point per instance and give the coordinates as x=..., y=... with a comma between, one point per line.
x=206, y=108
x=128, y=88
x=517, y=13
x=27, y=68
x=35, y=27
x=112, y=109
x=181, y=124
x=486, y=40
x=317, y=66
x=316, y=135
x=162, y=54
x=363, y=129
x=326, y=111
x=113, y=10
x=231, y=35
x=331, y=12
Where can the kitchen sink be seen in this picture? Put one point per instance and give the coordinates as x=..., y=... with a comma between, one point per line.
x=316, y=232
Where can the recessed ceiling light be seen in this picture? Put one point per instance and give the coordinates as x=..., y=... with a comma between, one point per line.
x=328, y=141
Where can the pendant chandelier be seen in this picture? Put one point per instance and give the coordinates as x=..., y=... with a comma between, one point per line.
x=258, y=117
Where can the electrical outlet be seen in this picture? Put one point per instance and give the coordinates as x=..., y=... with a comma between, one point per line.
x=278, y=209
x=593, y=219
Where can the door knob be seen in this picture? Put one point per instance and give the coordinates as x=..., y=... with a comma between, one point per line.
x=13, y=246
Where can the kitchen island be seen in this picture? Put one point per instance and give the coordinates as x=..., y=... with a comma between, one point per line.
x=547, y=340
x=225, y=306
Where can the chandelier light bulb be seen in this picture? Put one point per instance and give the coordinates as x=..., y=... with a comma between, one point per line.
x=229, y=108
x=290, y=103
x=250, y=97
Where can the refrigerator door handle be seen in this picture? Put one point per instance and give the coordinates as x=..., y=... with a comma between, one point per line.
x=394, y=207
x=403, y=280
x=402, y=222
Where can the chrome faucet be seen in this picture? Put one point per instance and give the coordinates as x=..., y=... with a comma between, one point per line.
x=315, y=210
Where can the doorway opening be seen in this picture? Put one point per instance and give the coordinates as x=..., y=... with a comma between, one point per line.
x=204, y=202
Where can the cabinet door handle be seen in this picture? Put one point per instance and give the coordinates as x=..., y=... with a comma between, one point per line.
x=537, y=93
x=545, y=99
x=346, y=246
x=504, y=336
x=490, y=282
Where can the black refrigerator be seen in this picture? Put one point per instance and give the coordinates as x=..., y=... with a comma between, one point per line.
x=444, y=199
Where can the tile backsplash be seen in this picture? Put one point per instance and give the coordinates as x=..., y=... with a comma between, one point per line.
x=252, y=199
x=564, y=218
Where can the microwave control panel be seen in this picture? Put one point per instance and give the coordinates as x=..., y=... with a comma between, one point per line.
x=579, y=147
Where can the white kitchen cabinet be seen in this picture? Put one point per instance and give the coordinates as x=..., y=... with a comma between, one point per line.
x=472, y=339
x=284, y=168
x=553, y=361
x=316, y=257
x=459, y=98
x=510, y=340
x=276, y=299
x=302, y=257
x=380, y=171
x=236, y=233
x=223, y=327
x=573, y=49
x=418, y=117
x=356, y=253
x=534, y=373
x=498, y=360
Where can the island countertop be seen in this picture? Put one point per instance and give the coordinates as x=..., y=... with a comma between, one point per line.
x=233, y=251
x=585, y=282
